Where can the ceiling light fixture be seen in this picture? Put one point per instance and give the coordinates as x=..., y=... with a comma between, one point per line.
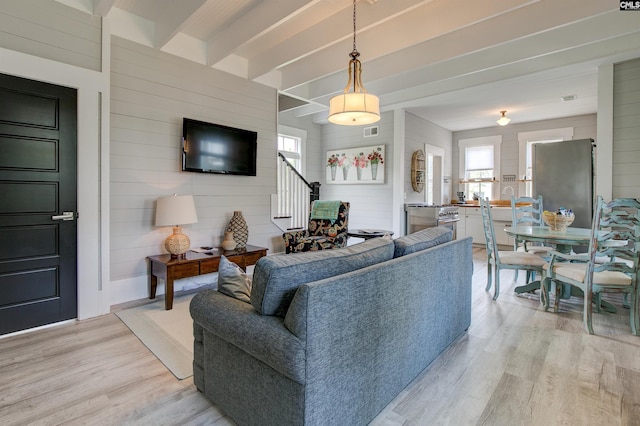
x=357, y=107
x=504, y=120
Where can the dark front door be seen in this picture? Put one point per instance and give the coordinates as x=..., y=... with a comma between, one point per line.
x=37, y=187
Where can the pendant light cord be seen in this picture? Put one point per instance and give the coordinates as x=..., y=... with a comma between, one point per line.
x=354, y=53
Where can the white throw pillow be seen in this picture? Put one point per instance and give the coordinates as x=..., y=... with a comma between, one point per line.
x=233, y=281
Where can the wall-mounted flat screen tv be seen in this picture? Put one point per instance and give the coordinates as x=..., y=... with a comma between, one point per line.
x=213, y=148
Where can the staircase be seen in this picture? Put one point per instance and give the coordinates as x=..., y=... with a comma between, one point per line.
x=290, y=206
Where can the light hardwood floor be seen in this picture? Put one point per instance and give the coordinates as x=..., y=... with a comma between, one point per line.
x=517, y=365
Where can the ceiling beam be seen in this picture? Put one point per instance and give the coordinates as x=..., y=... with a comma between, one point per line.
x=102, y=7
x=267, y=14
x=173, y=19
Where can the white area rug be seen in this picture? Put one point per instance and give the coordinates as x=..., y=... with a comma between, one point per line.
x=168, y=334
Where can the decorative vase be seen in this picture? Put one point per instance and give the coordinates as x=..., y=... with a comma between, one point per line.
x=345, y=173
x=374, y=170
x=239, y=228
x=333, y=172
x=359, y=172
x=228, y=243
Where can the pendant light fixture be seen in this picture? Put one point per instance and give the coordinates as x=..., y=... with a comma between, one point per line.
x=357, y=107
x=504, y=120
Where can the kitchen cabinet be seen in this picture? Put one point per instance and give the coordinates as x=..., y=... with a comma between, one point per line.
x=470, y=224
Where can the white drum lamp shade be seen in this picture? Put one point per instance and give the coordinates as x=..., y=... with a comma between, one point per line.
x=175, y=211
x=354, y=109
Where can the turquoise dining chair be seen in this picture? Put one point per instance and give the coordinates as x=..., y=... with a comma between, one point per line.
x=527, y=211
x=610, y=265
x=498, y=259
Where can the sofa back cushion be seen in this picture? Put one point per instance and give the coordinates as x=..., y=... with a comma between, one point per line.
x=421, y=240
x=276, y=278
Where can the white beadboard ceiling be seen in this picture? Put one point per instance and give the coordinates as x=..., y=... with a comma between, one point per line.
x=454, y=63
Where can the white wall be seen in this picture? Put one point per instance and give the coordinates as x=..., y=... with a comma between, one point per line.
x=151, y=92
x=418, y=133
x=50, y=30
x=626, y=129
x=371, y=204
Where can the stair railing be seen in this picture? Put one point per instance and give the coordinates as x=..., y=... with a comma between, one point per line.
x=295, y=194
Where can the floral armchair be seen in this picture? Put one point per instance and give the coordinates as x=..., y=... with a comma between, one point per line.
x=322, y=232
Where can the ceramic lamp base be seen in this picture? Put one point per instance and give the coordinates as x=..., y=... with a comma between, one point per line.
x=177, y=244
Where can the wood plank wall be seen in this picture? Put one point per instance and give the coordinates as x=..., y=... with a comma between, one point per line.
x=626, y=129
x=371, y=204
x=151, y=92
x=51, y=30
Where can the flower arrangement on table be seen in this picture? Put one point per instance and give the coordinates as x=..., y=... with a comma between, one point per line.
x=332, y=161
x=375, y=157
x=361, y=161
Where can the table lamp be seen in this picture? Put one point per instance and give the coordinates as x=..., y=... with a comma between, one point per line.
x=175, y=211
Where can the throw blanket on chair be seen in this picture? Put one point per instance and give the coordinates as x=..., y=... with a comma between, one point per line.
x=327, y=210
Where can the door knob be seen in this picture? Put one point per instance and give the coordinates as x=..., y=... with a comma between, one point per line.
x=64, y=216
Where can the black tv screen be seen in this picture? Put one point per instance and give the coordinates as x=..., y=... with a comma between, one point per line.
x=213, y=148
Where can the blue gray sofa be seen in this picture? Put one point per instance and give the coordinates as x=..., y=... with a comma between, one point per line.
x=331, y=337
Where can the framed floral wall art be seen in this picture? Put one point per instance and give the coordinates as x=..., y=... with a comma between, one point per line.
x=356, y=165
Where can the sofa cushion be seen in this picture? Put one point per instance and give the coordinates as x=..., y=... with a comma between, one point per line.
x=233, y=281
x=421, y=240
x=276, y=278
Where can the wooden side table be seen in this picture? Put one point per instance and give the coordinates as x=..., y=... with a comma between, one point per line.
x=194, y=264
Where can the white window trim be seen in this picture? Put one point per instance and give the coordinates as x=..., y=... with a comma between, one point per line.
x=463, y=144
x=564, y=133
x=296, y=133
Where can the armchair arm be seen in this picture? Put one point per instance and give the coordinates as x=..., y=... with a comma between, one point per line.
x=263, y=337
x=291, y=238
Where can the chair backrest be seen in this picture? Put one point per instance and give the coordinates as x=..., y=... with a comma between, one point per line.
x=330, y=227
x=526, y=211
x=489, y=233
x=617, y=220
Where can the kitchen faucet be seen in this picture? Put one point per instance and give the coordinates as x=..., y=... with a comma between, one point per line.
x=504, y=191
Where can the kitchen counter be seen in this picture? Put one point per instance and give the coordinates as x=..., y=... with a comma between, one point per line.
x=492, y=203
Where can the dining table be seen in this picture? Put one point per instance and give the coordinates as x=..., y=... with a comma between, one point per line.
x=564, y=241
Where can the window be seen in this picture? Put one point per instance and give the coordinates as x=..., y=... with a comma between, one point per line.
x=290, y=147
x=479, y=166
x=291, y=144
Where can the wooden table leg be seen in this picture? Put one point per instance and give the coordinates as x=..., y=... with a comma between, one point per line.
x=153, y=286
x=168, y=294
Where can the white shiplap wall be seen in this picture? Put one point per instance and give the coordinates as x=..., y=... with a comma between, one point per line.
x=50, y=30
x=151, y=92
x=371, y=204
x=626, y=129
x=419, y=132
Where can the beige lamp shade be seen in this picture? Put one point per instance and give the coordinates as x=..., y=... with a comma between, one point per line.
x=354, y=109
x=175, y=211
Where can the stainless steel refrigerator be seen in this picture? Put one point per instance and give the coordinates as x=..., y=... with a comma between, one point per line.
x=563, y=174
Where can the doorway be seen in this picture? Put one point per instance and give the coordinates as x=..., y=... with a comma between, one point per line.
x=38, y=187
x=434, y=175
